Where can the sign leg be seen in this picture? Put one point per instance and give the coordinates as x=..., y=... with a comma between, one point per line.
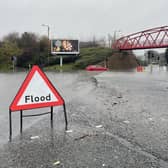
x=21, y=121
x=65, y=115
x=51, y=116
x=10, y=125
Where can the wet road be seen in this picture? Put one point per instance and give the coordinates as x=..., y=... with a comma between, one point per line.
x=116, y=120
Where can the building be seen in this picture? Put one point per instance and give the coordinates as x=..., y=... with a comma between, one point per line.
x=153, y=57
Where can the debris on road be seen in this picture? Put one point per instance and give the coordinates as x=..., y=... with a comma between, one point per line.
x=119, y=97
x=115, y=103
x=99, y=126
x=56, y=163
x=150, y=119
x=85, y=136
x=69, y=131
x=34, y=137
x=126, y=122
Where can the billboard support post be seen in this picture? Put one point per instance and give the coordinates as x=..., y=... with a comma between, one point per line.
x=61, y=61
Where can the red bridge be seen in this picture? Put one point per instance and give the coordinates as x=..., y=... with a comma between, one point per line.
x=151, y=38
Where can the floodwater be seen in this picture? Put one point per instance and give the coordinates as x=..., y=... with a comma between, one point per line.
x=116, y=119
x=9, y=86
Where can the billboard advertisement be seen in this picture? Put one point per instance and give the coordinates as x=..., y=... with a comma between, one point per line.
x=64, y=46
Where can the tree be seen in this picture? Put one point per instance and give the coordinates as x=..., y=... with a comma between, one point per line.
x=12, y=38
x=44, y=44
x=29, y=42
x=7, y=50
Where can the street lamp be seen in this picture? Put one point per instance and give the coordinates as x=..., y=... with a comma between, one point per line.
x=48, y=28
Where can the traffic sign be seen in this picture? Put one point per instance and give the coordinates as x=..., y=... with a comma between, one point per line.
x=36, y=92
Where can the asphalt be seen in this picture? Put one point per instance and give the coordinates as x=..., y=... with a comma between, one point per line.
x=116, y=120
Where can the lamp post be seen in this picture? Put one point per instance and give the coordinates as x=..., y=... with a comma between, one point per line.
x=48, y=30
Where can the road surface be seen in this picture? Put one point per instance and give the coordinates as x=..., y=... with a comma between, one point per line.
x=116, y=120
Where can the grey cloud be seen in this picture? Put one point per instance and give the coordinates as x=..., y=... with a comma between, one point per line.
x=81, y=17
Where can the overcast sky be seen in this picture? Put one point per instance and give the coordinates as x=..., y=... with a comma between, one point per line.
x=81, y=18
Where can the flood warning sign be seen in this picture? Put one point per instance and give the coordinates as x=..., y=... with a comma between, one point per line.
x=36, y=92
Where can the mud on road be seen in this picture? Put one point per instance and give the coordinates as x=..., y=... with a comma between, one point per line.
x=114, y=122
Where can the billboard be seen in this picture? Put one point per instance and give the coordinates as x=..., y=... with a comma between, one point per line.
x=64, y=46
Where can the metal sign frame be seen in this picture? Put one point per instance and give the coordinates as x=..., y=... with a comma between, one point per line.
x=18, y=95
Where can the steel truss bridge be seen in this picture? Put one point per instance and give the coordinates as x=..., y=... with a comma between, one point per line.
x=151, y=38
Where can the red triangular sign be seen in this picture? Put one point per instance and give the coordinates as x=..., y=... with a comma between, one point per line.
x=36, y=92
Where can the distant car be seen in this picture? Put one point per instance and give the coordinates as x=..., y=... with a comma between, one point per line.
x=96, y=68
